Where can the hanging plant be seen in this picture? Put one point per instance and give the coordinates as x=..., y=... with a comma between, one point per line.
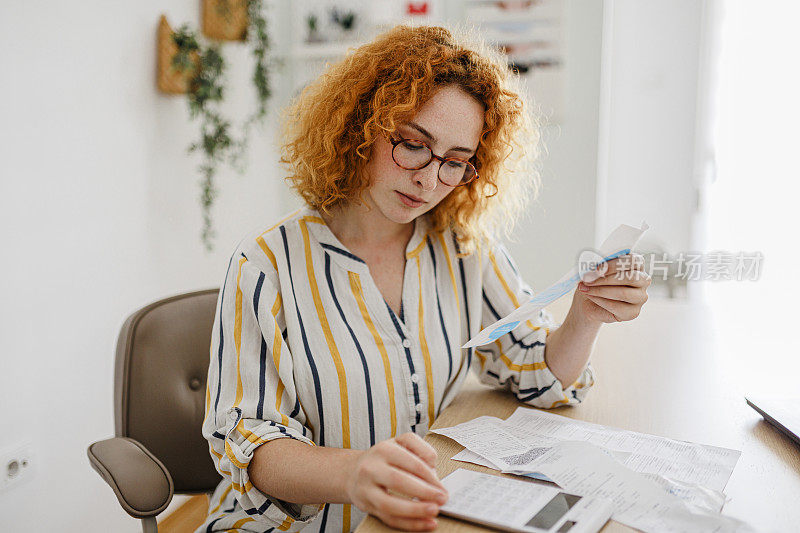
x=206, y=91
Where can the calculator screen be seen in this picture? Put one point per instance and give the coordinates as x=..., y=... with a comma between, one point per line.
x=553, y=511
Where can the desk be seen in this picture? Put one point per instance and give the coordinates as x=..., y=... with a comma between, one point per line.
x=661, y=374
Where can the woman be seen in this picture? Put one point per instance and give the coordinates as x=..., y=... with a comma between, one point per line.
x=338, y=330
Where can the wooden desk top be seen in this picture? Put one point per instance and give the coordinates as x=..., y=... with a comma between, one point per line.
x=661, y=374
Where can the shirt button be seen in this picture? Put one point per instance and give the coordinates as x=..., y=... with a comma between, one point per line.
x=418, y=407
x=415, y=378
x=406, y=343
x=232, y=414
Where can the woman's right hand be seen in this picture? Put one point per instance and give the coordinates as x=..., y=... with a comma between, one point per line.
x=404, y=465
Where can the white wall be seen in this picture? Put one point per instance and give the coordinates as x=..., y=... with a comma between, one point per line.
x=99, y=215
x=648, y=118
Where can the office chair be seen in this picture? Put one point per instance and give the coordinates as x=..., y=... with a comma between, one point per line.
x=159, y=404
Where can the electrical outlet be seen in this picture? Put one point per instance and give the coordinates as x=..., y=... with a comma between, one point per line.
x=17, y=464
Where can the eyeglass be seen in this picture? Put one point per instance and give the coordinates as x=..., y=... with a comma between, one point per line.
x=412, y=154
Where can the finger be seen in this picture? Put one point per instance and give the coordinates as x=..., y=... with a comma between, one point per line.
x=615, y=292
x=404, y=459
x=620, y=310
x=418, y=446
x=630, y=261
x=631, y=278
x=409, y=485
x=389, y=505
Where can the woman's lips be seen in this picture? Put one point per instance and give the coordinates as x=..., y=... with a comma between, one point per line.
x=409, y=201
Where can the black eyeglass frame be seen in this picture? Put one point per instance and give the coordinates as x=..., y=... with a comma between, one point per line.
x=396, y=142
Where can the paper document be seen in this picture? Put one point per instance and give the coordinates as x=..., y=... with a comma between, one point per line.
x=588, y=470
x=687, y=462
x=620, y=242
x=695, y=474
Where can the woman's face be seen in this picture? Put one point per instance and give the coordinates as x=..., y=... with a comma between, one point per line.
x=450, y=122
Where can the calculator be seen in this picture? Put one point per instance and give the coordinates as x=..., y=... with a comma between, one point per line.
x=518, y=505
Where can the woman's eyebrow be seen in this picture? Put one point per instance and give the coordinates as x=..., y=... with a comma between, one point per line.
x=427, y=134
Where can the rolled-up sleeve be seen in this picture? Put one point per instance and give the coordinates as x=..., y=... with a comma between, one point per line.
x=516, y=361
x=251, y=398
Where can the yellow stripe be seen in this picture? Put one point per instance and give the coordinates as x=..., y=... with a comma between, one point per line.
x=450, y=270
x=208, y=402
x=241, y=490
x=358, y=294
x=508, y=290
x=481, y=357
x=316, y=220
x=276, y=357
x=219, y=458
x=455, y=292
x=560, y=402
x=323, y=319
x=221, y=499
x=426, y=355
x=415, y=252
x=252, y=437
x=240, y=523
x=237, y=332
x=517, y=367
x=286, y=524
x=267, y=252
x=284, y=219
x=346, y=518
x=232, y=458
x=247, y=434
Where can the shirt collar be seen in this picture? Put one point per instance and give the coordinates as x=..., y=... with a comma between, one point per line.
x=339, y=253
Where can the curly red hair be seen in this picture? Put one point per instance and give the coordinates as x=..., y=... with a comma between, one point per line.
x=330, y=127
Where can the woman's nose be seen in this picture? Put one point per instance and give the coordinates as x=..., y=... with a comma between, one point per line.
x=427, y=177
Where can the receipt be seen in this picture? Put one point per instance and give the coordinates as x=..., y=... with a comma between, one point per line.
x=639, y=502
x=620, y=242
x=687, y=462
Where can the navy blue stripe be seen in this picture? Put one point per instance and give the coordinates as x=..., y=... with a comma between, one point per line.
x=464, y=294
x=342, y=252
x=536, y=393
x=253, y=511
x=370, y=409
x=221, y=336
x=262, y=362
x=257, y=295
x=210, y=527
x=439, y=307
x=410, y=363
x=324, y=519
x=514, y=340
x=262, y=377
x=309, y=356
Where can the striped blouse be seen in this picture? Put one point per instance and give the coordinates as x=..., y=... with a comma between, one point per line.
x=305, y=347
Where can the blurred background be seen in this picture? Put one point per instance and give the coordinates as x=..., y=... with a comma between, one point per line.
x=681, y=113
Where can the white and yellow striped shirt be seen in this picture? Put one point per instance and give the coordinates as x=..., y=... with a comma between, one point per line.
x=305, y=347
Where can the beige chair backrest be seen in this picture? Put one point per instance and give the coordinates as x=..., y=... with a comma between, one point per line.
x=160, y=385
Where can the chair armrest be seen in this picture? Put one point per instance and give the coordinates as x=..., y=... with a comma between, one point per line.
x=141, y=482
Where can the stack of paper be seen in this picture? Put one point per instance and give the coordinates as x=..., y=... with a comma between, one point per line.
x=657, y=484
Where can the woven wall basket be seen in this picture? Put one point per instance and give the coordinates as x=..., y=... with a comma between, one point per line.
x=225, y=20
x=170, y=80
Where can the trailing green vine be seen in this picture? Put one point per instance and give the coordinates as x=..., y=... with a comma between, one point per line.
x=207, y=92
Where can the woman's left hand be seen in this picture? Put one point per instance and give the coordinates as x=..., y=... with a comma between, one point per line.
x=616, y=296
